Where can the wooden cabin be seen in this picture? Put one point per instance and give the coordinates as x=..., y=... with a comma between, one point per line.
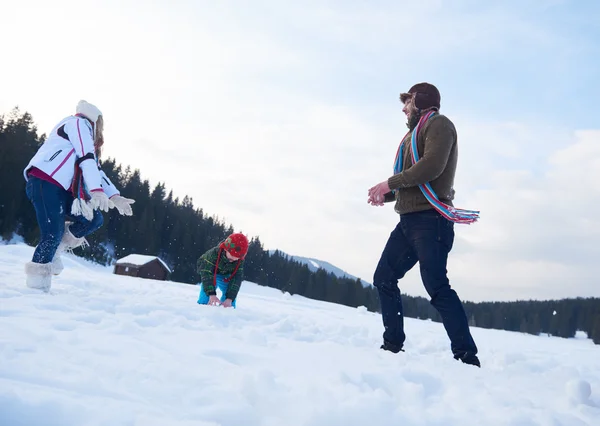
x=142, y=266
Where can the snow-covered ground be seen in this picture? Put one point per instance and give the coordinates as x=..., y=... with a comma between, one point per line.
x=120, y=351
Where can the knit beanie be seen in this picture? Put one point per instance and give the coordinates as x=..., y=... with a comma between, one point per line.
x=90, y=111
x=236, y=245
x=426, y=96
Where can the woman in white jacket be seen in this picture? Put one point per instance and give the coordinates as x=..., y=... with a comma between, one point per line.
x=64, y=181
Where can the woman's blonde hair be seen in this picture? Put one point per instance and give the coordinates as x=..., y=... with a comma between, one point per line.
x=99, y=136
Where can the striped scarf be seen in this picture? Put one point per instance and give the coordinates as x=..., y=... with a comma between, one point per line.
x=81, y=195
x=449, y=212
x=79, y=189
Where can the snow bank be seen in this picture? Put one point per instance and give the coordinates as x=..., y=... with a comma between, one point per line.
x=104, y=349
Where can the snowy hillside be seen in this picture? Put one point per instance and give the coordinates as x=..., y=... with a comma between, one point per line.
x=120, y=351
x=315, y=264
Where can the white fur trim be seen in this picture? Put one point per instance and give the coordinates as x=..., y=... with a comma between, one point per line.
x=67, y=243
x=70, y=241
x=57, y=265
x=39, y=275
x=90, y=111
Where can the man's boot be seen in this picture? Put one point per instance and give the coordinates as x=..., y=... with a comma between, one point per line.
x=468, y=359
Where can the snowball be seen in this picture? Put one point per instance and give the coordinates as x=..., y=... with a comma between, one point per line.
x=579, y=391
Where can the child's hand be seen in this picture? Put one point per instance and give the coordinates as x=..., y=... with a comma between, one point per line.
x=213, y=301
x=227, y=303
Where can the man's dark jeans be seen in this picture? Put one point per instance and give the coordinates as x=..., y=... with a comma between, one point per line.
x=426, y=237
x=52, y=206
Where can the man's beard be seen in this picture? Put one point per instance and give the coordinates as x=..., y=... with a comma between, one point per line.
x=413, y=120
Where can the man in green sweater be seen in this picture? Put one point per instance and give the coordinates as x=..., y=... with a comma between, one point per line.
x=222, y=267
x=422, y=190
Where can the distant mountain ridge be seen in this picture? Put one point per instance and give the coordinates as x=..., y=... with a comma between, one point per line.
x=314, y=264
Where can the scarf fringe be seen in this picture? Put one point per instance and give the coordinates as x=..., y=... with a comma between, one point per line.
x=83, y=208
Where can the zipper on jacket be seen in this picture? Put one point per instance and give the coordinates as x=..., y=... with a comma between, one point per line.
x=55, y=154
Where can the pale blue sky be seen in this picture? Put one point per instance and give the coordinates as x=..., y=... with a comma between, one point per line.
x=303, y=96
x=501, y=58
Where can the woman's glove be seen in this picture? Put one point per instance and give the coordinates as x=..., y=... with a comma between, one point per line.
x=123, y=204
x=100, y=201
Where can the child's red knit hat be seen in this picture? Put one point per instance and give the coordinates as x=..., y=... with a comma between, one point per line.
x=236, y=245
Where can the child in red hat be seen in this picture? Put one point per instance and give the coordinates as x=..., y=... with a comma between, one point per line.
x=222, y=267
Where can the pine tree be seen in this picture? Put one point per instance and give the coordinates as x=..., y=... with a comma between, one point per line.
x=595, y=335
x=179, y=233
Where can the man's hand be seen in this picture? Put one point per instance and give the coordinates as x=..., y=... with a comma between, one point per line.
x=377, y=193
x=123, y=204
x=214, y=301
x=227, y=303
x=375, y=200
